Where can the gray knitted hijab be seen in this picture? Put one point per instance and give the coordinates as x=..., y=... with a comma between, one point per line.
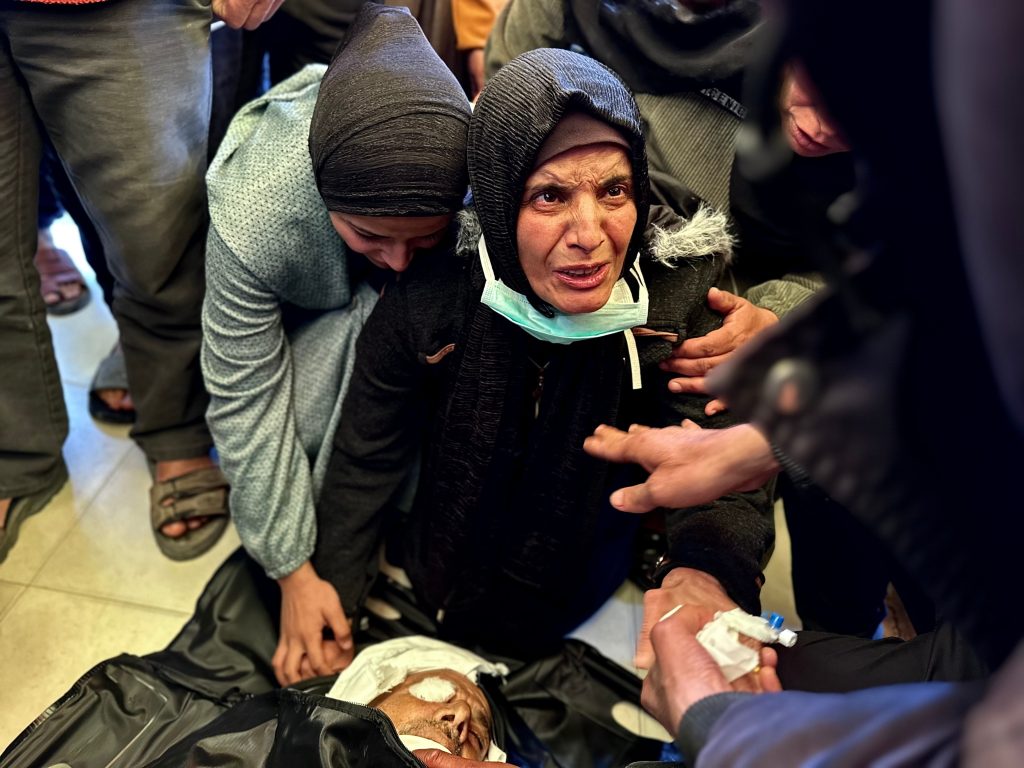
x=516, y=112
x=388, y=134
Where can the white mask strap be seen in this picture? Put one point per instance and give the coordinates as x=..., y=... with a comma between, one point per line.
x=485, y=259
x=634, y=359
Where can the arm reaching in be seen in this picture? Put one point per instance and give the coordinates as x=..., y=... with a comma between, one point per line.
x=688, y=465
x=245, y=13
x=695, y=357
x=684, y=672
x=308, y=605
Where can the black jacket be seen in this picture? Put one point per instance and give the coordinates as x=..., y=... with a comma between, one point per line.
x=510, y=566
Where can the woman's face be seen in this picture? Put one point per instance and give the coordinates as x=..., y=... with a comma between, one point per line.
x=390, y=242
x=575, y=222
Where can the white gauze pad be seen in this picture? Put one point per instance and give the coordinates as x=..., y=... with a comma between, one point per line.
x=433, y=689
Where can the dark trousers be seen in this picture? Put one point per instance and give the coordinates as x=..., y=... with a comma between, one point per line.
x=57, y=195
x=841, y=569
x=302, y=32
x=122, y=88
x=831, y=663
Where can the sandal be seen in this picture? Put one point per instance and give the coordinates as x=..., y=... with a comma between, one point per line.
x=21, y=509
x=110, y=374
x=201, y=493
x=56, y=270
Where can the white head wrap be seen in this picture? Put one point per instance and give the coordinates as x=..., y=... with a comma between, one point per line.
x=381, y=667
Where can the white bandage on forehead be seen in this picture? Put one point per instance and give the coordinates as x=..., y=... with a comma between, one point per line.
x=379, y=668
x=433, y=689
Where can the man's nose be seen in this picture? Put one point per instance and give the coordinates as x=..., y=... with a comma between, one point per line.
x=585, y=229
x=458, y=714
x=398, y=257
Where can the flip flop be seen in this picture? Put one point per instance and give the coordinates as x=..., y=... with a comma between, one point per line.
x=23, y=508
x=110, y=374
x=56, y=269
x=200, y=493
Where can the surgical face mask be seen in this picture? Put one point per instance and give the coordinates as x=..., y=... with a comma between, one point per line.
x=619, y=314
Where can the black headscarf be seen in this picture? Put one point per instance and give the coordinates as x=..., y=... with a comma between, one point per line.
x=516, y=112
x=388, y=135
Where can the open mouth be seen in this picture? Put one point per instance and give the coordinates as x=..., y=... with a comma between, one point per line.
x=583, y=277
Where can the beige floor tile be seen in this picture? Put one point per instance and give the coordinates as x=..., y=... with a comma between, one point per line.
x=93, y=451
x=111, y=551
x=777, y=594
x=40, y=535
x=82, y=339
x=8, y=594
x=613, y=629
x=50, y=639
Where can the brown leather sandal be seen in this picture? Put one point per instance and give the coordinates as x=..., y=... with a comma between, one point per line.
x=110, y=374
x=201, y=493
x=56, y=269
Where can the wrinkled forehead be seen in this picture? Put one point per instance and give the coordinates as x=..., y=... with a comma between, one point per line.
x=582, y=163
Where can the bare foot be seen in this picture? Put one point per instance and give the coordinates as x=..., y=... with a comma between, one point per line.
x=167, y=470
x=5, y=504
x=116, y=399
x=60, y=279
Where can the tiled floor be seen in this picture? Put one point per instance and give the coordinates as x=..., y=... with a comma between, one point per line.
x=86, y=580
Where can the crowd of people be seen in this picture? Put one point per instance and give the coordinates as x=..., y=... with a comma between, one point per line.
x=486, y=294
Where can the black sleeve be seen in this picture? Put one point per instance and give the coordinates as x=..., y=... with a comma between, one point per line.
x=732, y=537
x=374, y=448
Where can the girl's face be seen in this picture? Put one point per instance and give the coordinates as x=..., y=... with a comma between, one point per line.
x=390, y=242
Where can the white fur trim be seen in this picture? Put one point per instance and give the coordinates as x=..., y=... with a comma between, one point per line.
x=705, y=234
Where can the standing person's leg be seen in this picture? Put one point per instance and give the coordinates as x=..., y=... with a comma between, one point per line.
x=123, y=89
x=67, y=199
x=109, y=399
x=49, y=206
x=304, y=32
x=33, y=422
x=64, y=289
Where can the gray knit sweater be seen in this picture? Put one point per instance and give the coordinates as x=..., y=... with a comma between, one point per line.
x=279, y=322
